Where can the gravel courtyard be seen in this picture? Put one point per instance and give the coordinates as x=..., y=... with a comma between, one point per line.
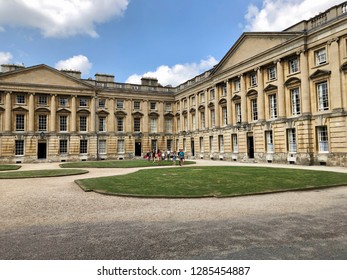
x=52, y=218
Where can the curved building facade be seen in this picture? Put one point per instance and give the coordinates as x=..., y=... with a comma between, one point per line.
x=274, y=97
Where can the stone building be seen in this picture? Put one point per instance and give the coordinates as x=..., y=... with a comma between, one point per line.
x=274, y=97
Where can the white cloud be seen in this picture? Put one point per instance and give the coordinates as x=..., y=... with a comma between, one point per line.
x=277, y=15
x=60, y=18
x=76, y=63
x=177, y=74
x=5, y=57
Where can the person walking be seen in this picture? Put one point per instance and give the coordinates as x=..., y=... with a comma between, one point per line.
x=181, y=157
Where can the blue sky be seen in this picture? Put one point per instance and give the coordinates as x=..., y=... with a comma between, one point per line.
x=173, y=40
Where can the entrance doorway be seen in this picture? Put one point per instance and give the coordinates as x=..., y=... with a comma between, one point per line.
x=138, y=148
x=42, y=150
x=250, y=145
x=192, y=148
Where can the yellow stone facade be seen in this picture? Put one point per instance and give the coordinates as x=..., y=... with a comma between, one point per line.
x=275, y=97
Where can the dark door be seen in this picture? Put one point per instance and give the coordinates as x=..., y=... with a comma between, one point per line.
x=138, y=149
x=250, y=145
x=192, y=148
x=42, y=150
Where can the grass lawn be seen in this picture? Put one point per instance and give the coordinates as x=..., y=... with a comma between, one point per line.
x=211, y=181
x=5, y=167
x=119, y=164
x=41, y=173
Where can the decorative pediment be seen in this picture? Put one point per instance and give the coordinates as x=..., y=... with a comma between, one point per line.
x=244, y=49
x=236, y=98
x=43, y=75
x=252, y=92
x=153, y=114
x=192, y=110
x=83, y=111
x=292, y=81
x=271, y=87
x=184, y=112
x=168, y=115
x=177, y=115
x=320, y=73
x=222, y=101
x=201, y=108
x=63, y=111
x=344, y=67
x=42, y=110
x=120, y=114
x=2, y=109
x=137, y=114
x=20, y=108
x=211, y=104
x=103, y=112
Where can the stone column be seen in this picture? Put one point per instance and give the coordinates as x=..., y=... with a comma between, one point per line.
x=145, y=125
x=73, y=120
x=189, y=118
x=261, y=99
x=229, y=103
x=53, y=113
x=335, y=84
x=8, y=112
x=31, y=114
x=305, y=87
x=92, y=115
x=216, y=106
x=111, y=116
x=280, y=94
x=244, y=119
x=207, y=115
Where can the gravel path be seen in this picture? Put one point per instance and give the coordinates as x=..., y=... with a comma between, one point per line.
x=52, y=218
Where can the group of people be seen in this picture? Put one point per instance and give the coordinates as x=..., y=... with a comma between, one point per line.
x=157, y=155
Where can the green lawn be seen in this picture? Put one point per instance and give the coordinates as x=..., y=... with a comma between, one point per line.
x=6, y=167
x=211, y=181
x=119, y=164
x=41, y=173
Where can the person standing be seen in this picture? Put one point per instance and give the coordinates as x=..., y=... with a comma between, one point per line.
x=174, y=155
x=181, y=157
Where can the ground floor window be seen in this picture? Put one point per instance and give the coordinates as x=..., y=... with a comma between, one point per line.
x=269, y=141
x=19, y=148
x=221, y=143
x=102, y=146
x=211, y=144
x=291, y=139
x=63, y=146
x=322, y=137
x=201, y=144
x=235, y=144
x=169, y=145
x=83, y=146
x=120, y=147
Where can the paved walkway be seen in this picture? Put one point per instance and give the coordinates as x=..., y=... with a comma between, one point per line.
x=52, y=218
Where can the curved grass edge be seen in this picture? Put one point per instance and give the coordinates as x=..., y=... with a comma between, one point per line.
x=42, y=173
x=102, y=192
x=8, y=167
